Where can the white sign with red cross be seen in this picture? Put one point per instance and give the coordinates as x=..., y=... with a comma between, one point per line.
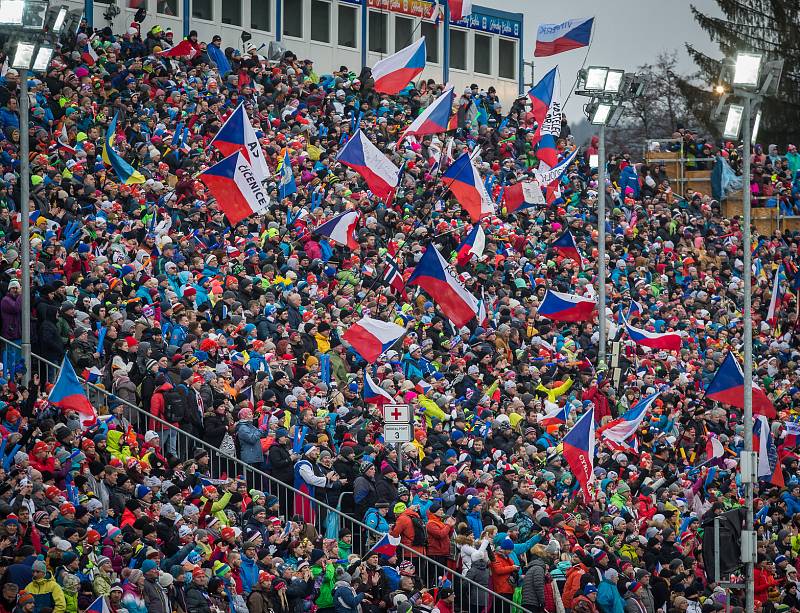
x=397, y=413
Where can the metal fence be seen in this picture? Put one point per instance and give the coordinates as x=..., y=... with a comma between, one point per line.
x=329, y=522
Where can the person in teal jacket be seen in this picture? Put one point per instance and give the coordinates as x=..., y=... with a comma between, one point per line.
x=519, y=548
x=609, y=599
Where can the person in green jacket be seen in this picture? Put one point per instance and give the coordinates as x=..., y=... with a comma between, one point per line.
x=321, y=568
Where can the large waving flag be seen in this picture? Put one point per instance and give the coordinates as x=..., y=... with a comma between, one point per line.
x=727, y=387
x=371, y=337
x=287, y=185
x=341, y=229
x=553, y=38
x=670, y=341
x=566, y=246
x=626, y=425
x=381, y=175
x=374, y=393
x=463, y=180
x=522, y=195
x=237, y=134
x=769, y=468
x=459, y=9
x=127, y=174
x=566, y=307
x=68, y=395
x=435, y=118
x=549, y=129
x=432, y=275
x=542, y=96
x=236, y=188
x=393, y=73
x=579, y=450
x=473, y=243
x=546, y=176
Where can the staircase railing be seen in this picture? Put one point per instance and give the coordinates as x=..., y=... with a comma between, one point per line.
x=329, y=522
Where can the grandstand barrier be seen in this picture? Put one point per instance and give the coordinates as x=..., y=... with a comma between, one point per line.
x=328, y=521
x=765, y=219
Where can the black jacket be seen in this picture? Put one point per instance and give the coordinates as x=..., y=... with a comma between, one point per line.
x=280, y=463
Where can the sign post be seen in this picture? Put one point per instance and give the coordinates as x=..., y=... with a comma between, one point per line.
x=398, y=427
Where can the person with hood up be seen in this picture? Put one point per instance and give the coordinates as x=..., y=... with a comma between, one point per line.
x=345, y=597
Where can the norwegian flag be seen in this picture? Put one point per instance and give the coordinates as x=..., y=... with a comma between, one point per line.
x=394, y=278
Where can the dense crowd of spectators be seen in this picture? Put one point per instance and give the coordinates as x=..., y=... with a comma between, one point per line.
x=234, y=336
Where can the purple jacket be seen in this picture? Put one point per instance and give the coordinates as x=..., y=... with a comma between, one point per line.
x=11, y=310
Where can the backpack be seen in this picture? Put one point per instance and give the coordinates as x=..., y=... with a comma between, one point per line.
x=420, y=534
x=174, y=405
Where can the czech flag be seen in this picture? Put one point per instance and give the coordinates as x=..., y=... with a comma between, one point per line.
x=522, y=195
x=542, y=96
x=776, y=298
x=473, y=243
x=392, y=74
x=126, y=173
x=386, y=546
x=99, y=606
x=566, y=246
x=432, y=275
x=88, y=55
x=727, y=387
x=237, y=134
x=548, y=176
x=554, y=414
x=374, y=393
x=435, y=118
x=371, y=337
x=341, y=229
x=566, y=307
x=671, y=341
x=236, y=188
x=463, y=180
x=626, y=425
x=182, y=49
x=68, y=395
x=459, y=9
x=634, y=309
x=769, y=468
x=553, y=38
x=579, y=450
x=381, y=175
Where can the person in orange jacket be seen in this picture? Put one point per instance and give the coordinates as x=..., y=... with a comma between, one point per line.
x=572, y=586
x=503, y=568
x=764, y=578
x=410, y=529
x=440, y=531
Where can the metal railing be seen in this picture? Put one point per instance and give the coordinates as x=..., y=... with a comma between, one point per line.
x=329, y=522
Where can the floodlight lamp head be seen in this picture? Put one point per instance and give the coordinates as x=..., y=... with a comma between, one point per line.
x=747, y=69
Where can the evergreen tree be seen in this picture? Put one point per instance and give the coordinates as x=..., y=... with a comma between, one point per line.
x=771, y=27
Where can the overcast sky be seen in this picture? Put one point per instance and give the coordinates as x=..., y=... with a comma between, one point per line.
x=627, y=33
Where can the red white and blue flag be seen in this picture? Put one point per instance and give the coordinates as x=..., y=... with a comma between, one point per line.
x=433, y=275
x=521, y=195
x=63, y=140
x=182, y=49
x=435, y=118
x=371, y=337
x=670, y=341
x=341, y=229
x=566, y=307
x=374, y=393
x=381, y=175
x=392, y=74
x=634, y=309
x=394, y=278
x=68, y=395
x=626, y=425
x=566, y=246
x=554, y=414
x=464, y=181
x=579, y=450
x=543, y=95
x=99, y=606
x=727, y=387
x=459, y=9
x=769, y=468
x=89, y=55
x=473, y=244
x=237, y=134
x=386, y=546
x=777, y=297
x=236, y=188
x=553, y=38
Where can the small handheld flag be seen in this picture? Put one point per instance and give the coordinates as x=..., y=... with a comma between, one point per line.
x=579, y=446
x=68, y=395
x=371, y=337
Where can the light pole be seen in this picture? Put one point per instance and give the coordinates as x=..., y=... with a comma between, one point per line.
x=27, y=21
x=608, y=89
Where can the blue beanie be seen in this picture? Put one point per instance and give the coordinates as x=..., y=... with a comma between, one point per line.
x=142, y=491
x=507, y=544
x=281, y=432
x=473, y=502
x=148, y=565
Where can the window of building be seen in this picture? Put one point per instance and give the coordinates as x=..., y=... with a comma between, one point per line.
x=348, y=26
x=232, y=12
x=403, y=32
x=320, y=21
x=482, y=60
x=203, y=9
x=458, y=49
x=292, y=18
x=167, y=7
x=377, y=32
x=431, y=34
x=261, y=15
x=507, y=59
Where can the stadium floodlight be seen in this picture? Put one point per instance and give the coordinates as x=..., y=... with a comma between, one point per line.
x=12, y=12
x=747, y=69
x=614, y=81
x=23, y=56
x=602, y=114
x=43, y=57
x=596, y=78
x=61, y=17
x=733, y=122
x=756, y=126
